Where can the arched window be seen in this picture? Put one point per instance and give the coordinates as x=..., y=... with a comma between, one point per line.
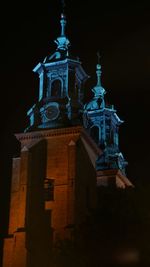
x=56, y=88
x=95, y=133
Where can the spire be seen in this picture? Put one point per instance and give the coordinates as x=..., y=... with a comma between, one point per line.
x=62, y=41
x=98, y=90
x=63, y=24
x=98, y=70
x=98, y=100
x=63, y=18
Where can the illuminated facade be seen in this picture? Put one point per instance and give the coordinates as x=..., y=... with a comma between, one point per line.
x=61, y=80
x=67, y=150
x=102, y=124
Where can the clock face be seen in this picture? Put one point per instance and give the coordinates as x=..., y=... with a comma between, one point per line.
x=52, y=112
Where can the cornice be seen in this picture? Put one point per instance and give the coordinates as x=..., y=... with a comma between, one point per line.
x=48, y=133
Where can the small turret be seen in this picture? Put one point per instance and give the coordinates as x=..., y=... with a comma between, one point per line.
x=102, y=123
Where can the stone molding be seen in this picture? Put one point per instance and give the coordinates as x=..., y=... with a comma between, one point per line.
x=48, y=133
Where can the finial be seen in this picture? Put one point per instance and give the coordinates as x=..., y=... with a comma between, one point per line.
x=62, y=41
x=98, y=69
x=63, y=18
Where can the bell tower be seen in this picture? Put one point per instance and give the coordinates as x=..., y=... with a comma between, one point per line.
x=57, y=173
x=61, y=79
x=102, y=123
x=50, y=196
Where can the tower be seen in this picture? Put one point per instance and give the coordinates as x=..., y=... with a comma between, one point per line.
x=51, y=192
x=61, y=79
x=55, y=177
x=102, y=123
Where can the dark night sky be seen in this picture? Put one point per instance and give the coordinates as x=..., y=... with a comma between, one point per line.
x=120, y=31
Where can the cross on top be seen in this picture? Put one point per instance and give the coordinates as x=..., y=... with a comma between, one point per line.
x=63, y=5
x=98, y=57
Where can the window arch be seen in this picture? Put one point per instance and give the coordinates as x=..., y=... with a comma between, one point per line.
x=94, y=132
x=56, y=88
